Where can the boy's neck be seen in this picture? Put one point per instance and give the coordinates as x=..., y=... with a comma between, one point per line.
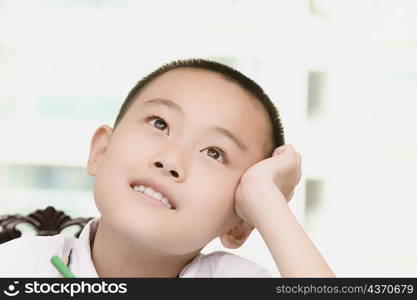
x=114, y=256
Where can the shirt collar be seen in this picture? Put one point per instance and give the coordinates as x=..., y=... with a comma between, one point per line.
x=82, y=263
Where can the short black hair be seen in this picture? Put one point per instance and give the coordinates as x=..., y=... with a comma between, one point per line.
x=228, y=73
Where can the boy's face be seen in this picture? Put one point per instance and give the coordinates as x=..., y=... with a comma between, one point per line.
x=178, y=151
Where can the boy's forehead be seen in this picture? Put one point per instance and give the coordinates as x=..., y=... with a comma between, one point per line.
x=190, y=86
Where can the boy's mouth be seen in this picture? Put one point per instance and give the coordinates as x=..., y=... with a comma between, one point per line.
x=156, y=193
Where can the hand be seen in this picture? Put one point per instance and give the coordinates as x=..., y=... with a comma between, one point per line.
x=282, y=171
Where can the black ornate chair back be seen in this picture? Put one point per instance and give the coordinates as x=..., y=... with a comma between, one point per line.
x=48, y=221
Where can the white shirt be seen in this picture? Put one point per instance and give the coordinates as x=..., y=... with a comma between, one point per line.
x=30, y=256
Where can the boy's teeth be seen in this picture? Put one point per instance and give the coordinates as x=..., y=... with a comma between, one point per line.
x=139, y=188
x=157, y=196
x=150, y=192
x=164, y=200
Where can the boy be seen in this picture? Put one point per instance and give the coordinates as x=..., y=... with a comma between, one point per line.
x=197, y=152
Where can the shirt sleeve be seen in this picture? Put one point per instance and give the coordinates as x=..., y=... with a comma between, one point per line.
x=29, y=256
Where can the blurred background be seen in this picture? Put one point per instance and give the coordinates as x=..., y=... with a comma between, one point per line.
x=343, y=74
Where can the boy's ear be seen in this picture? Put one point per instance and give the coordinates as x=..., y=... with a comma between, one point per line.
x=237, y=235
x=98, y=147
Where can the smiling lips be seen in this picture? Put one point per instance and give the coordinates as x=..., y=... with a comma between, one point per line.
x=154, y=194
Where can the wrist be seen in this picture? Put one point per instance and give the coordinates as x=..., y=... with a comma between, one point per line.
x=269, y=202
x=275, y=218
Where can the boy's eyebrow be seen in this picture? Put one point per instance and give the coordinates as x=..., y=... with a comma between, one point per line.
x=178, y=108
x=230, y=135
x=166, y=102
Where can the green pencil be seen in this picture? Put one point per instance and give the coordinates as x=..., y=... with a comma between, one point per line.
x=61, y=267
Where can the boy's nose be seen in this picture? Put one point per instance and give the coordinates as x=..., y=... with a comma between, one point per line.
x=160, y=165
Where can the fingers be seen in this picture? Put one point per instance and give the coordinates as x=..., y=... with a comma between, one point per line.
x=288, y=166
x=299, y=159
x=278, y=150
x=290, y=196
x=281, y=149
x=295, y=157
x=290, y=149
x=300, y=173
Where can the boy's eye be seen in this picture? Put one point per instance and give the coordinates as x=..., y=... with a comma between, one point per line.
x=216, y=153
x=158, y=123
